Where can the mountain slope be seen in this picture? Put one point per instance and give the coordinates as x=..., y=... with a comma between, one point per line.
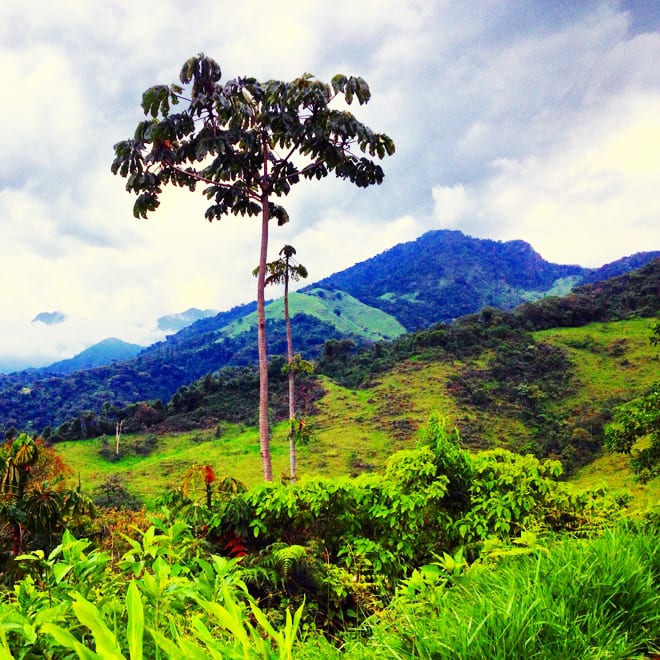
x=445, y=274
x=355, y=430
x=104, y=352
x=348, y=315
x=440, y=276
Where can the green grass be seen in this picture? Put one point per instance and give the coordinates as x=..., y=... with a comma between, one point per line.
x=347, y=314
x=596, y=598
x=612, y=360
x=613, y=471
x=236, y=453
x=356, y=430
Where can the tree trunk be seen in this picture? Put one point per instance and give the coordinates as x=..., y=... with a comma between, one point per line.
x=118, y=436
x=264, y=428
x=292, y=383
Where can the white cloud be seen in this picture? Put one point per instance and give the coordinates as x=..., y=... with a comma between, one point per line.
x=591, y=200
x=527, y=120
x=43, y=113
x=452, y=205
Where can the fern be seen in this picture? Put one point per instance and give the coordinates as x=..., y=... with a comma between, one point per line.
x=291, y=559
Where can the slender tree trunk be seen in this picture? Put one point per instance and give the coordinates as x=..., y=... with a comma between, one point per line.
x=118, y=436
x=264, y=428
x=292, y=382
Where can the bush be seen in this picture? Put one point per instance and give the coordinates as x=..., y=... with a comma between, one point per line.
x=111, y=494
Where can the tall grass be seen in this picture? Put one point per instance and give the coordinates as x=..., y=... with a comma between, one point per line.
x=597, y=598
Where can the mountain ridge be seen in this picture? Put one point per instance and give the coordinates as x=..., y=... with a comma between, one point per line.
x=102, y=353
x=414, y=292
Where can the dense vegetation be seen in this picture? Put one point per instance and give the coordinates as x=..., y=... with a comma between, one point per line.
x=432, y=551
x=444, y=554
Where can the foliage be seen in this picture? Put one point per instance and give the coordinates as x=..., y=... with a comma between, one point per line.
x=35, y=507
x=168, y=598
x=633, y=421
x=570, y=599
x=341, y=545
x=165, y=600
x=450, y=460
x=221, y=569
x=511, y=493
x=112, y=494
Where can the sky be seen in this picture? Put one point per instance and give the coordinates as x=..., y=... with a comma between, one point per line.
x=512, y=119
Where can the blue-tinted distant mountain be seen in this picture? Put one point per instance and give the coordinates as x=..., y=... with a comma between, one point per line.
x=175, y=322
x=50, y=318
x=105, y=352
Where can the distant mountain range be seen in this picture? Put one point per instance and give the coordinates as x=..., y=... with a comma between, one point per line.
x=437, y=278
x=175, y=322
x=104, y=352
x=440, y=276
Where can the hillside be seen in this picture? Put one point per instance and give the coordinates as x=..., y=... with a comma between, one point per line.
x=438, y=277
x=103, y=353
x=541, y=379
x=349, y=316
x=445, y=274
x=567, y=382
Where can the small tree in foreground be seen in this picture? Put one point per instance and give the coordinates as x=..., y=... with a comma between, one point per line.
x=248, y=142
x=281, y=271
x=633, y=421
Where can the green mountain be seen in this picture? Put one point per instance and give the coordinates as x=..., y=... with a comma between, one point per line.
x=445, y=274
x=441, y=276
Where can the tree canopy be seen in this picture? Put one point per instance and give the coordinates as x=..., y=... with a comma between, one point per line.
x=245, y=138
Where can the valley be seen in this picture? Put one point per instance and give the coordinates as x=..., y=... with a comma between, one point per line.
x=442, y=473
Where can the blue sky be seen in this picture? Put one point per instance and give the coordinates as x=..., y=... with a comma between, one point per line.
x=512, y=120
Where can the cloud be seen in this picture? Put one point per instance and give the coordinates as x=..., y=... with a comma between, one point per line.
x=526, y=119
x=44, y=114
x=590, y=200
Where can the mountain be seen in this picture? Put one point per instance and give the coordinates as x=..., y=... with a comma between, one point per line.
x=445, y=274
x=175, y=322
x=50, y=318
x=439, y=277
x=104, y=352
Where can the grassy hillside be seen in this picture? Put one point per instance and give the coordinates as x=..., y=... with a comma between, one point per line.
x=612, y=360
x=336, y=308
x=355, y=430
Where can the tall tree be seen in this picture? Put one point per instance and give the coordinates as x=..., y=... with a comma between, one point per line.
x=248, y=142
x=281, y=271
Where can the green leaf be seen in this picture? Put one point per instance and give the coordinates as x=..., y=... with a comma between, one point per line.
x=167, y=645
x=60, y=571
x=67, y=640
x=338, y=83
x=135, y=630
x=104, y=639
